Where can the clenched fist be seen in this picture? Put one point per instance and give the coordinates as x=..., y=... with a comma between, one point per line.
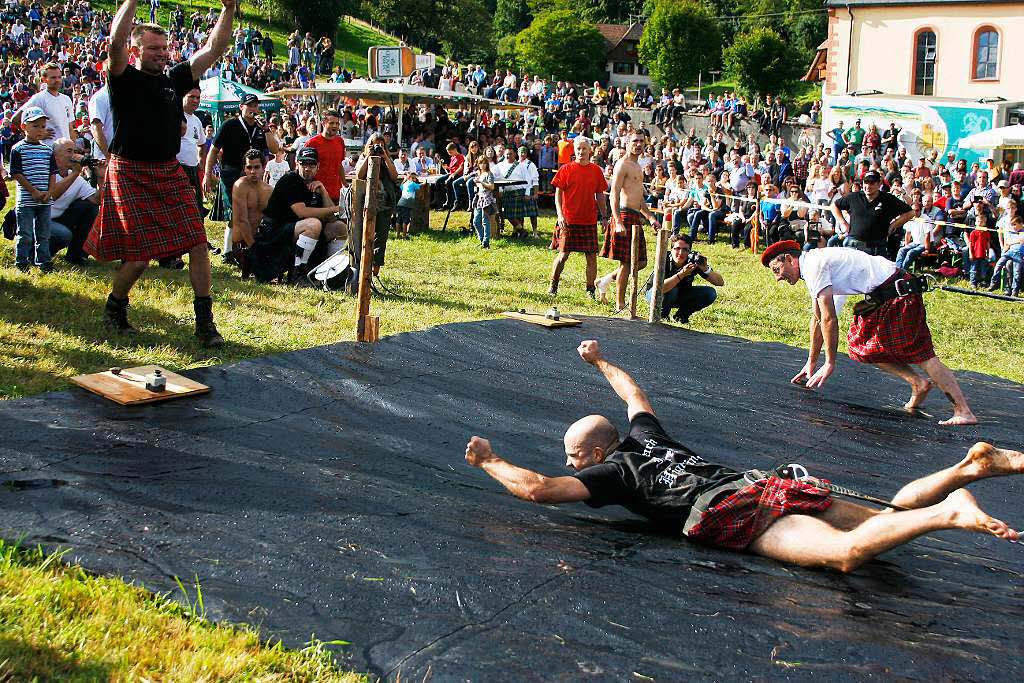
x=478, y=451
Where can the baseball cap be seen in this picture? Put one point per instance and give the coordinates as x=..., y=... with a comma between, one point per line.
x=308, y=155
x=32, y=113
x=872, y=177
x=1002, y=184
x=250, y=99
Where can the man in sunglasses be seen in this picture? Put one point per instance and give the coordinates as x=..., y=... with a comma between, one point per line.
x=782, y=514
x=874, y=216
x=889, y=328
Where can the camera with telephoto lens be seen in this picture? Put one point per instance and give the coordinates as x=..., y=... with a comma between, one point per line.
x=697, y=259
x=88, y=160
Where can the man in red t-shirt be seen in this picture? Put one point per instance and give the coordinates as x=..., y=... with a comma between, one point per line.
x=331, y=148
x=577, y=185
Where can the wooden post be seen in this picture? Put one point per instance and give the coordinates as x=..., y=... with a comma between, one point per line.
x=660, y=252
x=755, y=227
x=366, y=257
x=634, y=270
x=355, y=230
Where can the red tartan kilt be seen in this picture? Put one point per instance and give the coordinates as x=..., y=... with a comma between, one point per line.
x=743, y=516
x=897, y=332
x=575, y=238
x=618, y=245
x=148, y=211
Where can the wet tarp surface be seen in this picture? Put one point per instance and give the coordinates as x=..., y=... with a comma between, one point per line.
x=325, y=491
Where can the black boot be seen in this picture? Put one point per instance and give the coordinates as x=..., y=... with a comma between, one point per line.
x=206, y=331
x=115, y=315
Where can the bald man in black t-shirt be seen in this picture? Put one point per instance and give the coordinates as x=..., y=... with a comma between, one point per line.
x=771, y=513
x=148, y=210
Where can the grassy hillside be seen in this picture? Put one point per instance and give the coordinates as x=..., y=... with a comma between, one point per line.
x=352, y=41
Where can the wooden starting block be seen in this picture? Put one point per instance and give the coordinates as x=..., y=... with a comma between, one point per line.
x=128, y=386
x=540, y=319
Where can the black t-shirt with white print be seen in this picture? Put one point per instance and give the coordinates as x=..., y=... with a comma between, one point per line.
x=653, y=475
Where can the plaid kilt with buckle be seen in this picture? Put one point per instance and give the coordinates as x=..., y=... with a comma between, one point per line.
x=148, y=211
x=744, y=515
x=896, y=332
x=618, y=245
x=575, y=238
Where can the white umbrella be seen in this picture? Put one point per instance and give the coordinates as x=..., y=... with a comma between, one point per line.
x=994, y=138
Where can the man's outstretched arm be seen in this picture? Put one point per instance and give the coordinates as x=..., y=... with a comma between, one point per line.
x=521, y=482
x=623, y=384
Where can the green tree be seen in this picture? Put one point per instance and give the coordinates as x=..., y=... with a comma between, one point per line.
x=510, y=17
x=506, y=56
x=444, y=26
x=558, y=44
x=679, y=39
x=760, y=60
x=316, y=16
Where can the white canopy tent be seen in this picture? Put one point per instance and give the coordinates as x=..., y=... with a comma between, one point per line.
x=369, y=93
x=995, y=138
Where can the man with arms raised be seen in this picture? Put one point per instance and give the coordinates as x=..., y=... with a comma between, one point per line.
x=148, y=210
x=629, y=212
x=577, y=185
x=889, y=328
x=770, y=513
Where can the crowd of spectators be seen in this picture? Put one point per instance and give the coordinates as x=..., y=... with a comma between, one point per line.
x=698, y=181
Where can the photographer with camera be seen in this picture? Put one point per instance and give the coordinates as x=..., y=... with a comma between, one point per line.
x=388, y=193
x=75, y=201
x=236, y=137
x=682, y=266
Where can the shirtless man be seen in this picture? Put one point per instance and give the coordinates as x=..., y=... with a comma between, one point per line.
x=628, y=209
x=790, y=520
x=249, y=197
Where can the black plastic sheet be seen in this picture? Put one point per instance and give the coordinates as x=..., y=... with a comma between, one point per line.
x=325, y=491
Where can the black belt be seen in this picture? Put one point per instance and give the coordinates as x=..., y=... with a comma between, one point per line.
x=901, y=283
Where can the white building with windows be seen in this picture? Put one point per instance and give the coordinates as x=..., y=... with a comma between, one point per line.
x=940, y=69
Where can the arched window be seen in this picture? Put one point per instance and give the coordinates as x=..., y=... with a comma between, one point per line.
x=986, y=53
x=924, y=62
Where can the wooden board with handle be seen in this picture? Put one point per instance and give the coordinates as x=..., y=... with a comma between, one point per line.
x=539, y=319
x=129, y=387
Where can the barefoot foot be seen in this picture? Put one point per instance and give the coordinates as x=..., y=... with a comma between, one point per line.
x=918, y=393
x=988, y=461
x=965, y=514
x=961, y=419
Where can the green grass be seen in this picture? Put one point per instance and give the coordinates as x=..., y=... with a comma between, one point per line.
x=59, y=623
x=352, y=40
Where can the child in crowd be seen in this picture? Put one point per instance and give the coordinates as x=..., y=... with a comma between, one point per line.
x=276, y=168
x=917, y=236
x=977, y=250
x=484, y=203
x=406, y=203
x=34, y=168
x=1012, y=258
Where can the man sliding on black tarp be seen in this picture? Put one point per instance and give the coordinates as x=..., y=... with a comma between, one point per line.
x=770, y=513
